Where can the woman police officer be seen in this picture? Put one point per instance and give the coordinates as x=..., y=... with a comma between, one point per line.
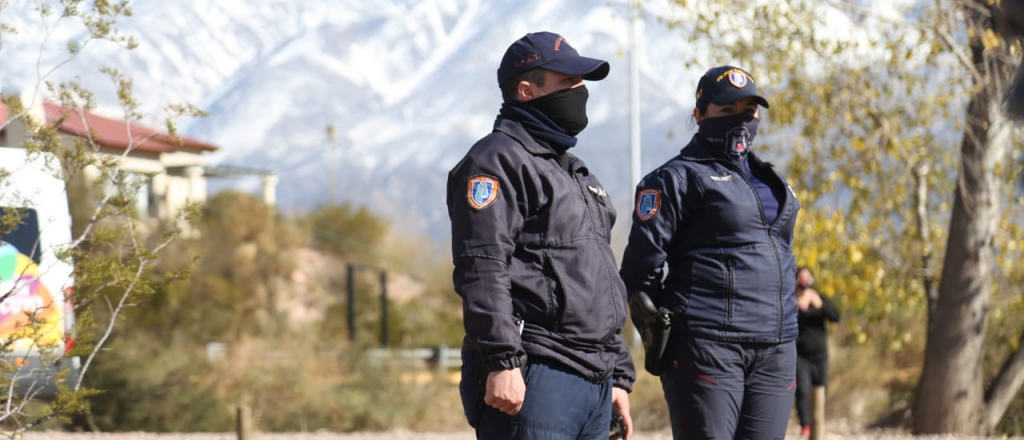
x=722, y=219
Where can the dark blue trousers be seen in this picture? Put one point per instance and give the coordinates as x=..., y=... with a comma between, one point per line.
x=559, y=405
x=728, y=390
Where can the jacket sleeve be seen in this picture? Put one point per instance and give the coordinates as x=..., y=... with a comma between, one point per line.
x=658, y=208
x=828, y=309
x=483, y=194
x=624, y=373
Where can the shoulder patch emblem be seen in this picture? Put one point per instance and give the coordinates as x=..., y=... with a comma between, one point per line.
x=483, y=191
x=648, y=202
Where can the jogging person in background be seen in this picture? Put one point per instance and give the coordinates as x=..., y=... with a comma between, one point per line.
x=812, y=354
x=543, y=306
x=722, y=219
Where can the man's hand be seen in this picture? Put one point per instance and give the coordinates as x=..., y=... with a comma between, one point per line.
x=620, y=404
x=506, y=391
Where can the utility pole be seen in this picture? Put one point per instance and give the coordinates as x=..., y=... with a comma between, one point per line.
x=332, y=135
x=634, y=96
x=634, y=115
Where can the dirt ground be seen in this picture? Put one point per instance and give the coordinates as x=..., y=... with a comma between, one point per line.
x=838, y=431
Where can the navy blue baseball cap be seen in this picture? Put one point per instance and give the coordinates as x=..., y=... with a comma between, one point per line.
x=550, y=51
x=724, y=84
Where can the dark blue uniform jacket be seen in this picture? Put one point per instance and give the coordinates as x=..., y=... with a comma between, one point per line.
x=730, y=273
x=530, y=238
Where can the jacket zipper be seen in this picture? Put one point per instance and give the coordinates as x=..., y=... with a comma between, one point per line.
x=732, y=266
x=775, y=250
x=591, y=212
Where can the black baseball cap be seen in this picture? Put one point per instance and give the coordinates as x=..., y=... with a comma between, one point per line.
x=550, y=51
x=724, y=84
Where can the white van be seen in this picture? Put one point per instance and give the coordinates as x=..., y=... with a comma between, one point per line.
x=33, y=280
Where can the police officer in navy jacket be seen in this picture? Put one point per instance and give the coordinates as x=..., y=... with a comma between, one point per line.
x=543, y=304
x=720, y=220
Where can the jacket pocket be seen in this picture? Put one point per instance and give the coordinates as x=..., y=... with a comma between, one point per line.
x=587, y=311
x=556, y=291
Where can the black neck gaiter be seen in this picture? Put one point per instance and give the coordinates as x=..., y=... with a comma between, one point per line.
x=540, y=127
x=729, y=136
x=567, y=108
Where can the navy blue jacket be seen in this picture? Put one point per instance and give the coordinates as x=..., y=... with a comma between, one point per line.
x=531, y=238
x=731, y=275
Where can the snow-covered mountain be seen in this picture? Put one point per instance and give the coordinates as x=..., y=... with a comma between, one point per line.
x=409, y=85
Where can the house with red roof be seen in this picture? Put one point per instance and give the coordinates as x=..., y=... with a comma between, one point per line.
x=171, y=168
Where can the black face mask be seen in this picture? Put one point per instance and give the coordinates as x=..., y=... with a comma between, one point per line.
x=567, y=108
x=730, y=135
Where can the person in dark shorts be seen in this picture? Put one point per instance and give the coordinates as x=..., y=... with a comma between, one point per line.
x=812, y=354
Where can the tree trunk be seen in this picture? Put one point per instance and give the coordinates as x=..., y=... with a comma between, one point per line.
x=950, y=391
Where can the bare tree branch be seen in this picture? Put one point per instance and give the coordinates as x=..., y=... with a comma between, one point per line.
x=1006, y=385
x=121, y=305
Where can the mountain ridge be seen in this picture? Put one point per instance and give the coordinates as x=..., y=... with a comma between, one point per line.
x=409, y=85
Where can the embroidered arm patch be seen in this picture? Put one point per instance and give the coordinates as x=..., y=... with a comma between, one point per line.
x=483, y=191
x=647, y=203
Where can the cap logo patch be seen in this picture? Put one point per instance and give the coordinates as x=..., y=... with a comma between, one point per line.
x=647, y=203
x=483, y=191
x=558, y=44
x=736, y=77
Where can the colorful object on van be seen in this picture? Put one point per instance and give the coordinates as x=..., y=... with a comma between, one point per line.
x=24, y=295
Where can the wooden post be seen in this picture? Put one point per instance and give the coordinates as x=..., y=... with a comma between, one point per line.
x=817, y=413
x=244, y=422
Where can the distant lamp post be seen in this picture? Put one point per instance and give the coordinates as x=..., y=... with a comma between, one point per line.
x=332, y=136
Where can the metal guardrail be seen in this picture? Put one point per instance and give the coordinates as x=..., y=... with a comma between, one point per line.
x=442, y=357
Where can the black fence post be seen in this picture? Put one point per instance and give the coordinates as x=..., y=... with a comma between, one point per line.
x=351, y=302
x=383, y=308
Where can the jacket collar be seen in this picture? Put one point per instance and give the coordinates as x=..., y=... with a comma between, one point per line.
x=516, y=131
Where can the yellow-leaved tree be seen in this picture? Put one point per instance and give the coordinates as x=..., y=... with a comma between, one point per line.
x=888, y=120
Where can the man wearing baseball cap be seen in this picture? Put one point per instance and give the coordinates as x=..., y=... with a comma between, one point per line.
x=543, y=356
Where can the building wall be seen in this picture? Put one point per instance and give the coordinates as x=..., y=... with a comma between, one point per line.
x=178, y=191
x=164, y=194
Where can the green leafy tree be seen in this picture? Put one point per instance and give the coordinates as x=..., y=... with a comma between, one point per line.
x=889, y=123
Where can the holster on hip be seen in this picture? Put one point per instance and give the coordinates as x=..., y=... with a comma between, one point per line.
x=655, y=327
